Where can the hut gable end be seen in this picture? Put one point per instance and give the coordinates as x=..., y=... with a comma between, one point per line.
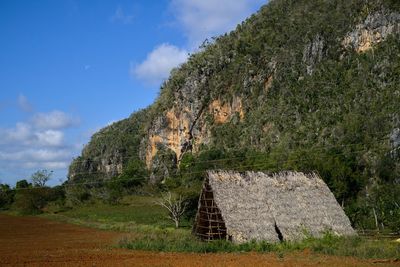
x=209, y=222
x=259, y=206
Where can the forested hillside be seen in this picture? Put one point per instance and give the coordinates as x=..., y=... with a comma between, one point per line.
x=307, y=85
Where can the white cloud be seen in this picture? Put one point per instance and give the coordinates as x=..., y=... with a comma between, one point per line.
x=54, y=120
x=38, y=155
x=55, y=165
x=24, y=134
x=50, y=138
x=159, y=63
x=23, y=103
x=201, y=19
x=38, y=143
x=21, y=133
x=120, y=16
x=45, y=165
x=36, y=158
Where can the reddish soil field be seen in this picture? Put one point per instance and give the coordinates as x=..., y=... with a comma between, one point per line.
x=32, y=241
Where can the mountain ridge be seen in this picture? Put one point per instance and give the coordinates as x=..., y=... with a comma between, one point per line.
x=303, y=85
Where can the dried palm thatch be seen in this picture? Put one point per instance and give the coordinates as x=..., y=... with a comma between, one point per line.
x=273, y=207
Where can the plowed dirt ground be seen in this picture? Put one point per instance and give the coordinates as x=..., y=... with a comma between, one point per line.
x=33, y=241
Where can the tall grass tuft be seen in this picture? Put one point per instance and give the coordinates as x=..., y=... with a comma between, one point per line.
x=174, y=241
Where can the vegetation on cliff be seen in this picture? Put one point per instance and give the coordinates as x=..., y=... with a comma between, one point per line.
x=301, y=85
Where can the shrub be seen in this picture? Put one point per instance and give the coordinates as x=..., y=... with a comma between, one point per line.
x=6, y=196
x=33, y=200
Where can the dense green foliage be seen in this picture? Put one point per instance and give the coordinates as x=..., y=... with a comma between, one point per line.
x=35, y=200
x=32, y=198
x=22, y=184
x=6, y=196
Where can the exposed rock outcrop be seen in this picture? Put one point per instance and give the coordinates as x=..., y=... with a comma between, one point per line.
x=375, y=29
x=109, y=166
x=395, y=138
x=177, y=126
x=313, y=53
x=173, y=131
x=222, y=112
x=184, y=128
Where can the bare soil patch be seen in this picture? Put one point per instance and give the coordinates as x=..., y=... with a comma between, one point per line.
x=33, y=241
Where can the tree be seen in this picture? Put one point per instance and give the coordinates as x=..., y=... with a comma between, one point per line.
x=176, y=207
x=134, y=174
x=41, y=177
x=22, y=184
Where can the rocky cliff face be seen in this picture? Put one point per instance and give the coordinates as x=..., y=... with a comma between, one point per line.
x=177, y=127
x=375, y=29
x=108, y=166
x=270, y=83
x=110, y=149
x=184, y=127
x=313, y=53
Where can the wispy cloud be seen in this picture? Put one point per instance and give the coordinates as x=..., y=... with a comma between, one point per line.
x=201, y=19
x=50, y=138
x=24, y=104
x=39, y=155
x=159, y=63
x=21, y=134
x=120, y=16
x=54, y=120
x=29, y=158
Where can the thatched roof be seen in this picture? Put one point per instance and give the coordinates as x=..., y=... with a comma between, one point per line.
x=273, y=207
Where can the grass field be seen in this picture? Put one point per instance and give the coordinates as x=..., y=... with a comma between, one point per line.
x=150, y=229
x=134, y=214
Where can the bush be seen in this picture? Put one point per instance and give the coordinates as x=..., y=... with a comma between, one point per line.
x=22, y=184
x=6, y=196
x=76, y=195
x=34, y=200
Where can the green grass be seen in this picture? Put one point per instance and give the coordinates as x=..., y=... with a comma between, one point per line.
x=175, y=241
x=116, y=213
x=133, y=214
x=184, y=241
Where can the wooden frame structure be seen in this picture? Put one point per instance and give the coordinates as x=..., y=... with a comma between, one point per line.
x=209, y=224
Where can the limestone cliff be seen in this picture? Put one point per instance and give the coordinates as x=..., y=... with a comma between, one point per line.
x=185, y=129
x=375, y=29
x=289, y=76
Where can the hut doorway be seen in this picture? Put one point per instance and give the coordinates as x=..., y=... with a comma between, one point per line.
x=278, y=232
x=209, y=222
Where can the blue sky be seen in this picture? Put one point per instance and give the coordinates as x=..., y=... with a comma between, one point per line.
x=69, y=68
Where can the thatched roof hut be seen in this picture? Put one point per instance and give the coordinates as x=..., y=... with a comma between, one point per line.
x=272, y=207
